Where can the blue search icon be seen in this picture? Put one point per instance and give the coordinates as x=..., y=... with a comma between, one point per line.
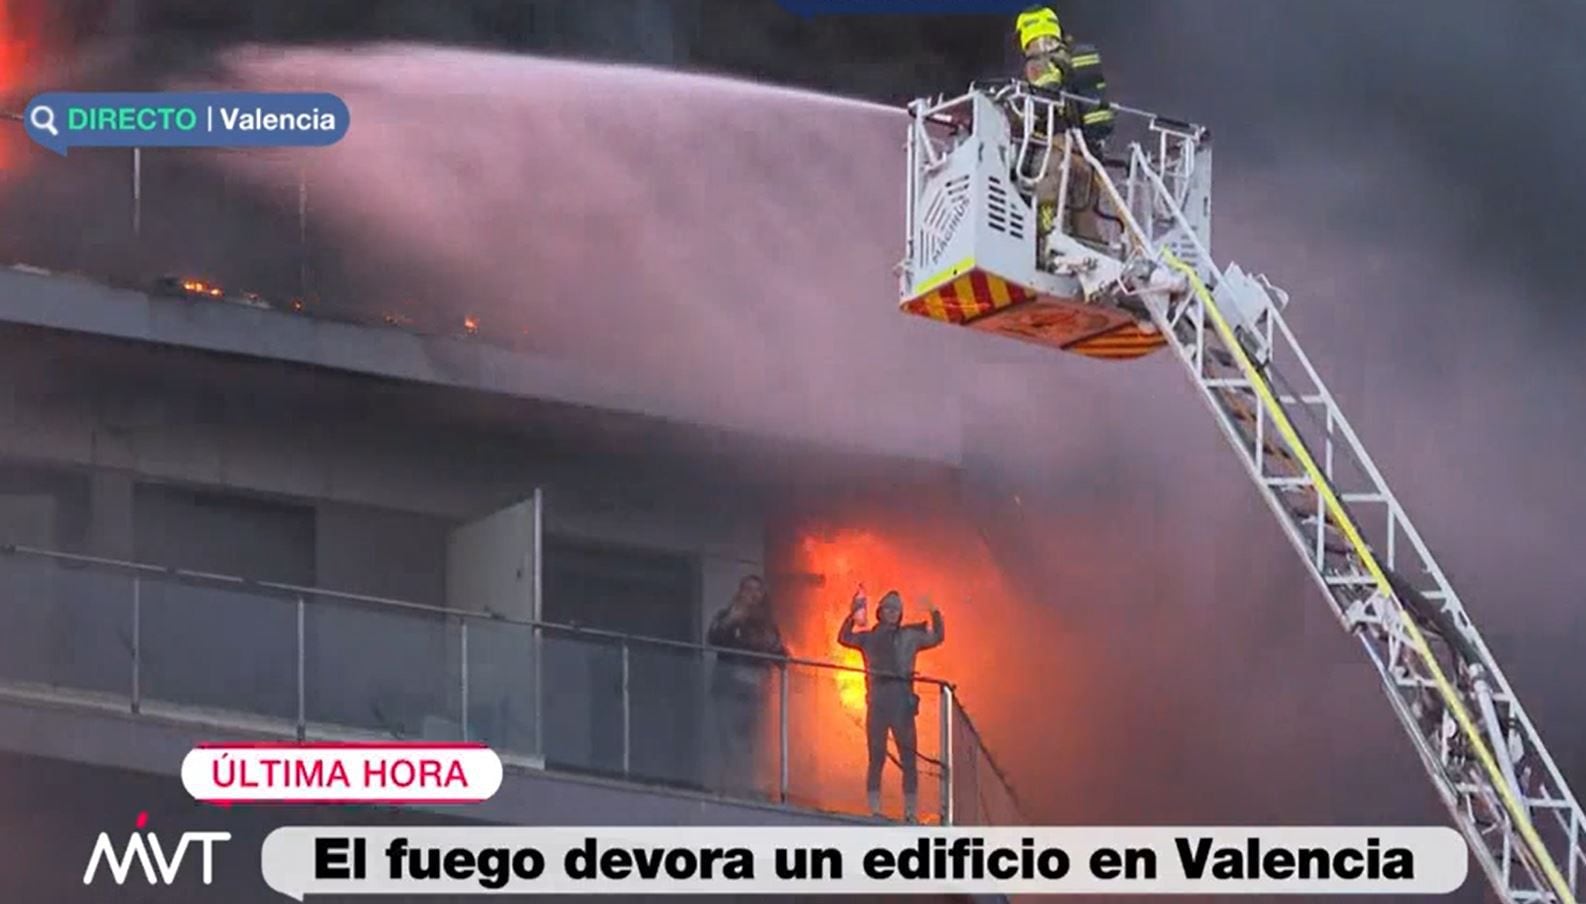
x=43, y=119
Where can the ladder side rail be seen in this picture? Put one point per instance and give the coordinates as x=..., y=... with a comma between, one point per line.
x=924, y=141
x=1398, y=687
x=924, y=157
x=1448, y=597
x=1301, y=543
x=944, y=104
x=1450, y=795
x=1251, y=454
x=1046, y=135
x=1452, y=702
x=1575, y=828
x=1026, y=136
x=1363, y=458
x=1065, y=175
x=911, y=189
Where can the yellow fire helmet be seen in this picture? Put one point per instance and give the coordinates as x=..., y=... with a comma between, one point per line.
x=1037, y=22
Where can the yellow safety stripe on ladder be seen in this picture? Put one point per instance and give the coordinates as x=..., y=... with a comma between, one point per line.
x=1418, y=640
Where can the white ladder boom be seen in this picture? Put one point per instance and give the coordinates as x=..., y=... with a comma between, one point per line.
x=1016, y=228
x=1478, y=745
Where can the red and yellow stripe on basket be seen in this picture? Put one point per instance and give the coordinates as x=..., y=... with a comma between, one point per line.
x=967, y=296
x=962, y=293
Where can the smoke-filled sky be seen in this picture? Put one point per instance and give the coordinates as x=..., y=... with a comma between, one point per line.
x=1404, y=168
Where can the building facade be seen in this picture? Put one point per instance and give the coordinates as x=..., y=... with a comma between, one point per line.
x=232, y=520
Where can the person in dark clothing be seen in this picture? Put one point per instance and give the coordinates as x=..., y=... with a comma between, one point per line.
x=1084, y=79
x=891, y=705
x=740, y=684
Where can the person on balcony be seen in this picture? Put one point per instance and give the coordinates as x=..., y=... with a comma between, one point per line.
x=889, y=650
x=741, y=684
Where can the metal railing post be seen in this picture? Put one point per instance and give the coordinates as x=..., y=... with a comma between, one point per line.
x=462, y=634
x=782, y=733
x=946, y=749
x=537, y=610
x=627, y=715
x=137, y=644
x=302, y=656
x=302, y=233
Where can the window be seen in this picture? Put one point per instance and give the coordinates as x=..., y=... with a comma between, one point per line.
x=638, y=592
x=223, y=533
x=652, y=594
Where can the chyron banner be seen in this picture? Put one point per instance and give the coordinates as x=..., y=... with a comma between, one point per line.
x=342, y=773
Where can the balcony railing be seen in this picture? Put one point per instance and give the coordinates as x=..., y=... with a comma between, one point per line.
x=302, y=662
x=242, y=226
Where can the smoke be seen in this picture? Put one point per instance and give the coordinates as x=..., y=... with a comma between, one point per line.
x=1482, y=107
x=687, y=233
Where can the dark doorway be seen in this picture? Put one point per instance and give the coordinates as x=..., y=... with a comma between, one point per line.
x=643, y=594
x=223, y=533
x=215, y=644
x=622, y=589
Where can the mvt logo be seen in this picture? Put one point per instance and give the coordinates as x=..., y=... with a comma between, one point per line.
x=917, y=7
x=145, y=848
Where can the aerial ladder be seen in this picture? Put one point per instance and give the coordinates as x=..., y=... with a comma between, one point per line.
x=1018, y=225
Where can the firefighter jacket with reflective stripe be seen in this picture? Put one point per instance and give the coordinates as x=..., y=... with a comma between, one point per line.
x=1085, y=79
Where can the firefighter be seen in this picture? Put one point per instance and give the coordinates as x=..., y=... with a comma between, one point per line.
x=1041, y=39
x=1046, y=64
x=891, y=704
x=1053, y=62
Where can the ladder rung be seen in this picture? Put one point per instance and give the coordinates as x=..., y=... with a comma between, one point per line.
x=1301, y=400
x=1350, y=580
x=1226, y=383
x=1287, y=482
x=1363, y=497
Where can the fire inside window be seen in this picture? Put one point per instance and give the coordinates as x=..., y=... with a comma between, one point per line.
x=199, y=287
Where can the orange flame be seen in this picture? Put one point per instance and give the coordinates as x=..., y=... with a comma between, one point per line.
x=199, y=287
x=941, y=561
x=837, y=559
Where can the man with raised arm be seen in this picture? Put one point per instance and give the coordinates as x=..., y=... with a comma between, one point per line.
x=889, y=650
